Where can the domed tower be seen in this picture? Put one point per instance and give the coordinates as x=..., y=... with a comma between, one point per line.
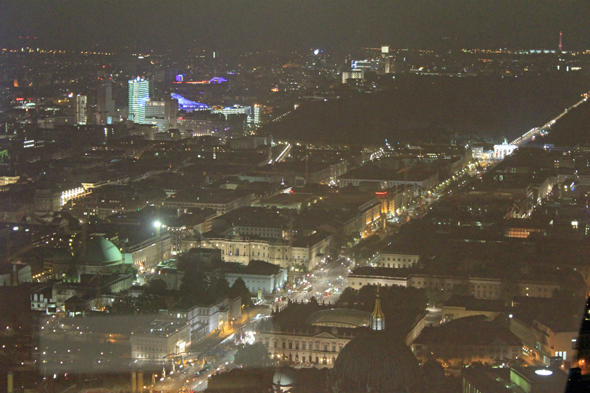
x=100, y=256
x=376, y=362
x=284, y=379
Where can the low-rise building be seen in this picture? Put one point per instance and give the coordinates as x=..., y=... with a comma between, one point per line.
x=327, y=332
x=545, y=340
x=148, y=253
x=491, y=288
x=259, y=277
x=398, y=259
x=532, y=379
x=159, y=340
x=467, y=340
x=305, y=253
x=220, y=200
x=467, y=306
x=208, y=316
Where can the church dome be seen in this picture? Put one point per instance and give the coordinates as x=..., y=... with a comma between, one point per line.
x=376, y=362
x=434, y=376
x=100, y=251
x=284, y=377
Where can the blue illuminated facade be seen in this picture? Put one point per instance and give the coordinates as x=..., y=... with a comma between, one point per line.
x=188, y=105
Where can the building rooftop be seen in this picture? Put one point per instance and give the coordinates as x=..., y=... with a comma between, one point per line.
x=160, y=328
x=340, y=317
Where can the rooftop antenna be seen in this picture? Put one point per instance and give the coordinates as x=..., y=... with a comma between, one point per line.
x=560, y=41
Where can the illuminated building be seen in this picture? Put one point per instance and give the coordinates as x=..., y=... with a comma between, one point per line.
x=206, y=317
x=257, y=114
x=357, y=73
x=386, y=59
x=188, y=105
x=160, y=339
x=235, y=110
x=329, y=330
x=139, y=94
x=161, y=113
x=81, y=109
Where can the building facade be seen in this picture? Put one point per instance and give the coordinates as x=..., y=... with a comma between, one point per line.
x=139, y=94
x=159, y=340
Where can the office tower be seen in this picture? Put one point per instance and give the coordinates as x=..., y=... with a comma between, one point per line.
x=386, y=59
x=162, y=113
x=139, y=94
x=171, y=111
x=257, y=114
x=81, y=109
x=105, y=105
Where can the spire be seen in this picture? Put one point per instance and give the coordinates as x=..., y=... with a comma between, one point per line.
x=377, y=317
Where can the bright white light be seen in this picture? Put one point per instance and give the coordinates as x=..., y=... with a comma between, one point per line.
x=157, y=224
x=543, y=372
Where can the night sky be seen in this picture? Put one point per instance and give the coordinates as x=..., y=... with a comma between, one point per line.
x=280, y=24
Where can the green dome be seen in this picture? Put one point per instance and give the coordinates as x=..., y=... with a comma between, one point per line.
x=100, y=251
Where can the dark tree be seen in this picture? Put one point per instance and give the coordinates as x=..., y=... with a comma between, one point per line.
x=255, y=355
x=348, y=296
x=239, y=289
x=218, y=288
x=435, y=296
x=157, y=285
x=194, y=284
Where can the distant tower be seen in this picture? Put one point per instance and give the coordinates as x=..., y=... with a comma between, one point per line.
x=81, y=109
x=386, y=59
x=139, y=93
x=560, y=41
x=105, y=105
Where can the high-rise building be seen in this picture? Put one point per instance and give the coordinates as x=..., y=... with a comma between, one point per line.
x=162, y=113
x=105, y=105
x=81, y=109
x=257, y=114
x=386, y=59
x=139, y=94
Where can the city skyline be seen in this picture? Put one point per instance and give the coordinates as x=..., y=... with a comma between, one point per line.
x=286, y=25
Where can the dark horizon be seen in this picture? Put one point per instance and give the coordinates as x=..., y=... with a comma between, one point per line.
x=288, y=25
